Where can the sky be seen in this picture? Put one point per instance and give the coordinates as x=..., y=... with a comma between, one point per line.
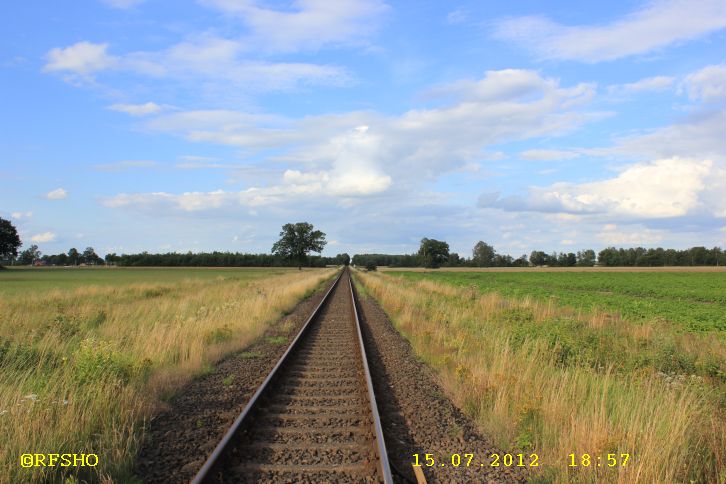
x=199, y=125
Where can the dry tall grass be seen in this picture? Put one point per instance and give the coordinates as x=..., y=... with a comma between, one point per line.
x=81, y=369
x=524, y=393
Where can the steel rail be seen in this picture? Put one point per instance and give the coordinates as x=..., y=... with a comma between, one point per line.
x=207, y=471
x=384, y=466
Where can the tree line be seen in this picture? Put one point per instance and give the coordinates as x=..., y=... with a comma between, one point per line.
x=299, y=239
x=434, y=253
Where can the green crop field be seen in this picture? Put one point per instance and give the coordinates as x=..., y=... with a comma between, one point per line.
x=694, y=300
x=560, y=362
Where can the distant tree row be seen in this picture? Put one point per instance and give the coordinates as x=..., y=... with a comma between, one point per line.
x=435, y=253
x=221, y=259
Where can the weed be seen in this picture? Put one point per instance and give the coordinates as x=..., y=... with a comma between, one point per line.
x=248, y=355
x=276, y=340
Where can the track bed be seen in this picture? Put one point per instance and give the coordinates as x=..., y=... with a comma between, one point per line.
x=313, y=421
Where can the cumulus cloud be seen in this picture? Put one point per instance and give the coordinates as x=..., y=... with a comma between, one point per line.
x=649, y=84
x=83, y=58
x=57, y=194
x=708, y=84
x=658, y=24
x=664, y=188
x=44, y=237
x=308, y=25
x=612, y=234
x=125, y=165
x=699, y=135
x=207, y=62
x=417, y=144
x=21, y=215
x=548, y=155
x=123, y=4
x=137, y=109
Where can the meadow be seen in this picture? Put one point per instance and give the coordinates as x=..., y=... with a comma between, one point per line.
x=593, y=363
x=87, y=354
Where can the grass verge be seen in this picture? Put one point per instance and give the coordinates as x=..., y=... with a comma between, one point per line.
x=81, y=369
x=540, y=380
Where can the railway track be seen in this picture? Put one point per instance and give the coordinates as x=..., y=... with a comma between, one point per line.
x=314, y=418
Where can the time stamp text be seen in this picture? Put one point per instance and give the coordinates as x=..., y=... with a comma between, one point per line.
x=516, y=460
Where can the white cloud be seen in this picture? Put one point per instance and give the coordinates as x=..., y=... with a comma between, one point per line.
x=700, y=135
x=123, y=4
x=418, y=144
x=44, y=237
x=82, y=58
x=309, y=25
x=666, y=188
x=21, y=215
x=657, y=24
x=548, y=155
x=649, y=84
x=708, y=84
x=125, y=165
x=57, y=194
x=137, y=109
x=206, y=63
x=458, y=16
x=612, y=234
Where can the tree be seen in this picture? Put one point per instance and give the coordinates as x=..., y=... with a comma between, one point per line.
x=433, y=252
x=343, y=259
x=29, y=255
x=538, y=258
x=9, y=241
x=586, y=258
x=73, y=256
x=90, y=257
x=297, y=240
x=483, y=254
x=610, y=257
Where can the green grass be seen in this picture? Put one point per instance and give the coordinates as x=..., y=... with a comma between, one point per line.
x=695, y=301
x=40, y=279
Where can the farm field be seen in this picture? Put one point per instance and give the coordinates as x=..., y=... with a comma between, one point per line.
x=696, y=301
x=560, y=363
x=86, y=354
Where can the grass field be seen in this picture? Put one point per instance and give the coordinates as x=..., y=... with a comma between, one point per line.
x=87, y=354
x=571, y=362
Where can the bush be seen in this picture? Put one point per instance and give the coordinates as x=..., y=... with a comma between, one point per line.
x=371, y=266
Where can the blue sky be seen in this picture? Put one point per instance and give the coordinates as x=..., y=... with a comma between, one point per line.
x=133, y=125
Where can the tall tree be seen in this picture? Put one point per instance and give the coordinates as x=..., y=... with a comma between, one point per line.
x=586, y=258
x=433, y=252
x=9, y=240
x=29, y=255
x=343, y=258
x=483, y=254
x=73, y=256
x=90, y=257
x=297, y=240
x=538, y=258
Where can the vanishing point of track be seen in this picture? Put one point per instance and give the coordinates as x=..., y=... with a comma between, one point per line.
x=314, y=418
